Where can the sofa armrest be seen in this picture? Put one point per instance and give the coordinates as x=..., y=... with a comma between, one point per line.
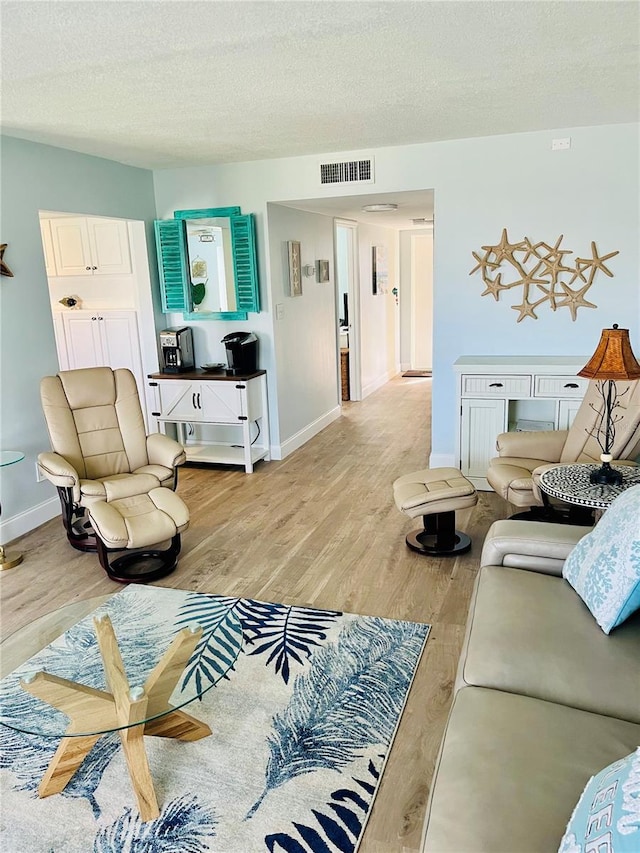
x=534, y=545
x=166, y=451
x=546, y=444
x=57, y=470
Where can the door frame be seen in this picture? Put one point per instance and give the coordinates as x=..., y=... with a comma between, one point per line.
x=353, y=291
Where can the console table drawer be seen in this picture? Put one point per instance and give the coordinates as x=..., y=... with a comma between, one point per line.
x=495, y=386
x=560, y=386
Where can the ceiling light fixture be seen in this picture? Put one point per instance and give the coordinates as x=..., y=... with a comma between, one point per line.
x=379, y=208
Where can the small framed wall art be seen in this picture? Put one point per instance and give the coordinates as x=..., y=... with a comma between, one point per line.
x=295, y=270
x=322, y=271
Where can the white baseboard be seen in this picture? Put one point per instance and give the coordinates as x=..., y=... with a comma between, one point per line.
x=300, y=438
x=443, y=460
x=24, y=522
x=378, y=382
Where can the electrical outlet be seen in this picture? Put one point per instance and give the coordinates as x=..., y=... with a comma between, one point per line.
x=280, y=311
x=39, y=475
x=561, y=144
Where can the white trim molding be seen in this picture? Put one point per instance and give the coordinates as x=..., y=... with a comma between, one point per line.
x=24, y=522
x=287, y=447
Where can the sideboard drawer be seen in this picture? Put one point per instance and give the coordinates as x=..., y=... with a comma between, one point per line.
x=495, y=386
x=569, y=387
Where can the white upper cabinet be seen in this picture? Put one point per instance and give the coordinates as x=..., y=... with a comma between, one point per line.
x=90, y=246
x=47, y=247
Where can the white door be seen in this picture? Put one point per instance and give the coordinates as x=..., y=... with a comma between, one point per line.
x=482, y=422
x=71, y=247
x=83, y=342
x=109, y=242
x=121, y=342
x=421, y=301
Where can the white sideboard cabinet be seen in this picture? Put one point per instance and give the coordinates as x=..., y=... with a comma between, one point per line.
x=198, y=398
x=498, y=394
x=86, y=245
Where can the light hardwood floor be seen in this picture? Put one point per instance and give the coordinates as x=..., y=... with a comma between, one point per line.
x=319, y=528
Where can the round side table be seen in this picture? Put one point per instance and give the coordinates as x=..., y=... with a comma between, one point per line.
x=10, y=560
x=570, y=483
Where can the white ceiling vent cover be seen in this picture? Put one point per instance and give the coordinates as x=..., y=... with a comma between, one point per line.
x=348, y=171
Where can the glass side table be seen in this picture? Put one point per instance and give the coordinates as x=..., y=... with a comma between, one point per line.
x=131, y=665
x=9, y=561
x=570, y=483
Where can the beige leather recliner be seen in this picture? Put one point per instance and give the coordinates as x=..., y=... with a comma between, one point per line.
x=112, y=478
x=523, y=456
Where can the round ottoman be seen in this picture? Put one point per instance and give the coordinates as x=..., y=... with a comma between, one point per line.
x=136, y=523
x=435, y=494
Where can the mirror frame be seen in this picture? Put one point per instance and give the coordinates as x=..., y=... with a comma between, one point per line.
x=246, y=266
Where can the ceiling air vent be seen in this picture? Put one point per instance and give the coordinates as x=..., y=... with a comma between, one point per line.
x=346, y=172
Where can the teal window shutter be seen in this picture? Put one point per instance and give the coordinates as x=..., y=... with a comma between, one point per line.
x=172, y=265
x=245, y=267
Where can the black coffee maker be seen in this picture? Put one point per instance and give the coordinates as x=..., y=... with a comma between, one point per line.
x=242, y=352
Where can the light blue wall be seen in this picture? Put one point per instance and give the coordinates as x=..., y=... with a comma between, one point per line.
x=589, y=192
x=39, y=177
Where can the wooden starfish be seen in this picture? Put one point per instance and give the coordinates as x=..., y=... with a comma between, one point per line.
x=483, y=263
x=526, y=309
x=494, y=286
x=574, y=299
x=504, y=249
x=596, y=262
x=4, y=269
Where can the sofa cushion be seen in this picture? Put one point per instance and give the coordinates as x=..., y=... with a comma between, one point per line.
x=607, y=816
x=530, y=633
x=604, y=567
x=511, y=770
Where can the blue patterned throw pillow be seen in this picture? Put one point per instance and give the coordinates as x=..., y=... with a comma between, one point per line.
x=604, y=567
x=607, y=817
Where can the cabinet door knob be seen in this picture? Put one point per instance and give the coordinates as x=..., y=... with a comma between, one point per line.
x=94, y=268
x=94, y=318
x=496, y=385
x=87, y=268
x=572, y=385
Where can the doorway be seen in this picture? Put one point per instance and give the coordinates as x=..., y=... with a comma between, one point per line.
x=347, y=309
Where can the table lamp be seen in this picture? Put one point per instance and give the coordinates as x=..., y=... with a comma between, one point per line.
x=613, y=360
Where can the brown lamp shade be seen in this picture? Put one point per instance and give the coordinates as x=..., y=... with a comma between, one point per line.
x=614, y=358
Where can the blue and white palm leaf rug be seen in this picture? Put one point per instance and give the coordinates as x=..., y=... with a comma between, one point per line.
x=302, y=724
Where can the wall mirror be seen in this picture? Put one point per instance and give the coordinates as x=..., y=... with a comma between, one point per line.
x=207, y=263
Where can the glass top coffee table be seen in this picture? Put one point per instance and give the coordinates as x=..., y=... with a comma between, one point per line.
x=131, y=666
x=570, y=483
x=9, y=457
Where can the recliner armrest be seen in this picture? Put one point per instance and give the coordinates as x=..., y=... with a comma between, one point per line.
x=166, y=451
x=546, y=444
x=533, y=545
x=60, y=472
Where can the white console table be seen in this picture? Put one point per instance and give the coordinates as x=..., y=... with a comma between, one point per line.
x=498, y=394
x=198, y=398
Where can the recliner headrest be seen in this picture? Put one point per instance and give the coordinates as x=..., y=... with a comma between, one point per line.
x=89, y=387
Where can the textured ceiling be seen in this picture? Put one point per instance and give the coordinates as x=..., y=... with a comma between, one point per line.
x=160, y=83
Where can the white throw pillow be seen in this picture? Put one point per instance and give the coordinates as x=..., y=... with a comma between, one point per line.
x=604, y=567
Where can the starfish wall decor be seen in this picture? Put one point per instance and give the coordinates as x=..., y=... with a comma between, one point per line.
x=539, y=267
x=4, y=269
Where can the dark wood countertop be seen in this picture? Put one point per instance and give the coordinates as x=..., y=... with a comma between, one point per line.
x=222, y=375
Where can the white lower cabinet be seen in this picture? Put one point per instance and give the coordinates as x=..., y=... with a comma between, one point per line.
x=195, y=400
x=497, y=394
x=101, y=339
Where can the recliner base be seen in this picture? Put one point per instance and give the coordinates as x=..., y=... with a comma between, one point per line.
x=142, y=566
x=439, y=538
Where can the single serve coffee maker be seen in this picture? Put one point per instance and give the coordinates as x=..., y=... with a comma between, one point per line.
x=242, y=352
x=176, y=350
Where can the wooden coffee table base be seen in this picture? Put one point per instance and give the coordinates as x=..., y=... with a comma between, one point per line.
x=123, y=709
